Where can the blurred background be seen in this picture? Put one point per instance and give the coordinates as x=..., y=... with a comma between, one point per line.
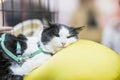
x=101, y=17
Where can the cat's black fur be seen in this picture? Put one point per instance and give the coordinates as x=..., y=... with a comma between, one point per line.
x=49, y=33
x=6, y=61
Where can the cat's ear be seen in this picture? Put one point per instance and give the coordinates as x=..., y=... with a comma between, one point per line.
x=78, y=29
x=21, y=37
x=46, y=23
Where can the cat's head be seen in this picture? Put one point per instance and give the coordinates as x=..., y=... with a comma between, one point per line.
x=54, y=37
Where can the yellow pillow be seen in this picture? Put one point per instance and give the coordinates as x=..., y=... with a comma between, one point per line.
x=83, y=60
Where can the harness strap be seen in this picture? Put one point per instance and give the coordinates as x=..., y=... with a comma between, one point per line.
x=18, y=49
x=33, y=54
x=7, y=51
x=36, y=53
x=19, y=58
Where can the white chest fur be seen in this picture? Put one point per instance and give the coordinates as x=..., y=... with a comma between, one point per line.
x=31, y=63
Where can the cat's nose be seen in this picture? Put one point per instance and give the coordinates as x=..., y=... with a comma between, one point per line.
x=63, y=43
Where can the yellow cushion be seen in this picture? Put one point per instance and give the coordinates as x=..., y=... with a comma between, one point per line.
x=83, y=60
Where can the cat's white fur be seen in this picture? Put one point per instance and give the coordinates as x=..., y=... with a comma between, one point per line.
x=31, y=63
x=53, y=46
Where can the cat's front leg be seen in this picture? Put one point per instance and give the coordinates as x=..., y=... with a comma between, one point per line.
x=34, y=62
x=11, y=77
x=16, y=77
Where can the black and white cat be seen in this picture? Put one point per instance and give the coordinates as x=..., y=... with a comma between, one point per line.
x=52, y=38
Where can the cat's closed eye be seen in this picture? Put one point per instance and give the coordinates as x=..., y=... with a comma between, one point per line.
x=70, y=36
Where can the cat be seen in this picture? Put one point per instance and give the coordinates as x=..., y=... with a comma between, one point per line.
x=52, y=38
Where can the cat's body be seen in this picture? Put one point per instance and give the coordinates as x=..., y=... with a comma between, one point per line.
x=51, y=39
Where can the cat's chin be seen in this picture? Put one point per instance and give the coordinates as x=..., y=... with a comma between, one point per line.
x=60, y=47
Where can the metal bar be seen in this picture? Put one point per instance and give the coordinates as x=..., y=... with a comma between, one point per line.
x=31, y=9
x=3, y=17
x=48, y=8
x=12, y=10
x=22, y=13
x=40, y=4
x=23, y=9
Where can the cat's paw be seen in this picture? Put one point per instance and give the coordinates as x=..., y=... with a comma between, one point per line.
x=18, y=71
